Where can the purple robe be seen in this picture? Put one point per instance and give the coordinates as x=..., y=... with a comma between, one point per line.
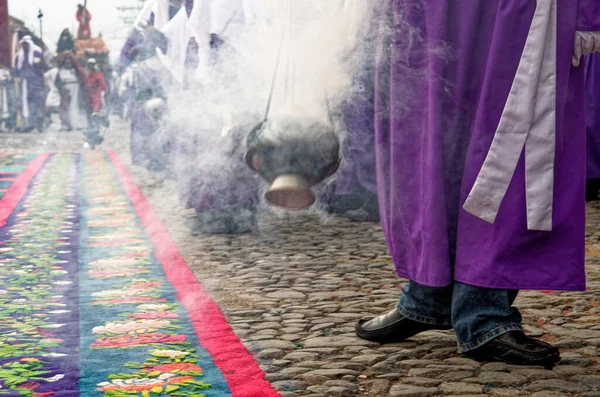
x=357, y=175
x=212, y=175
x=593, y=115
x=441, y=89
x=151, y=80
x=31, y=90
x=357, y=172
x=211, y=172
x=125, y=58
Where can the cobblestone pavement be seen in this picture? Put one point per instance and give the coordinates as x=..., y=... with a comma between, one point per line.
x=294, y=291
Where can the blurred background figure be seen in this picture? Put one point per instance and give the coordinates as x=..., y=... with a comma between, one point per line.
x=145, y=80
x=66, y=43
x=52, y=93
x=7, y=99
x=211, y=175
x=74, y=98
x=97, y=86
x=30, y=70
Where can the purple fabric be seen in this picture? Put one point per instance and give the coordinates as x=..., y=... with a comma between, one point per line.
x=440, y=96
x=592, y=66
x=211, y=177
x=135, y=38
x=189, y=5
x=357, y=172
x=142, y=128
x=358, y=168
x=34, y=75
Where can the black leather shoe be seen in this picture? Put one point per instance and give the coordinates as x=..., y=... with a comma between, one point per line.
x=516, y=348
x=392, y=327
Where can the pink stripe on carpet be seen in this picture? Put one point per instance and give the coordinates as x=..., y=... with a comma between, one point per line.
x=19, y=187
x=243, y=375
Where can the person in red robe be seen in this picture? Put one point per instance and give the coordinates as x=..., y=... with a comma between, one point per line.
x=97, y=86
x=83, y=17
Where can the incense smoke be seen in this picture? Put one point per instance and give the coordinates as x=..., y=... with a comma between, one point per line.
x=323, y=47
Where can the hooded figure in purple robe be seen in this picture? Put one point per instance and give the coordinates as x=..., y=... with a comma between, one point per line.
x=592, y=69
x=480, y=136
x=32, y=98
x=212, y=176
x=147, y=80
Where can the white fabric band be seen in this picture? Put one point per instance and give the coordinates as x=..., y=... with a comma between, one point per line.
x=528, y=121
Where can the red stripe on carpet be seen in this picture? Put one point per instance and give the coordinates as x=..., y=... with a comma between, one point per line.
x=243, y=375
x=18, y=189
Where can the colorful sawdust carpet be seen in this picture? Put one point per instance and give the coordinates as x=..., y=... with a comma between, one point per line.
x=11, y=165
x=95, y=298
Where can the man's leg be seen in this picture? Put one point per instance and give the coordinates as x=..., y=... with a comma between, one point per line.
x=488, y=328
x=420, y=309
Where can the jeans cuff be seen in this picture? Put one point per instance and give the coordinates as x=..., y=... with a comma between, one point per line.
x=488, y=336
x=423, y=319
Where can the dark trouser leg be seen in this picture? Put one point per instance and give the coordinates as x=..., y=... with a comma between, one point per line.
x=482, y=314
x=429, y=305
x=40, y=116
x=488, y=328
x=479, y=314
x=420, y=309
x=592, y=187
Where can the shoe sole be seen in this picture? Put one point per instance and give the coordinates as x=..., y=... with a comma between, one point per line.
x=373, y=336
x=547, y=361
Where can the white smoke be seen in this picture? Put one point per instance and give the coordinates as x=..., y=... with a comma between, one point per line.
x=220, y=102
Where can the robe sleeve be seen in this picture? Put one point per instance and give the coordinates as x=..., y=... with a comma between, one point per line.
x=588, y=15
x=587, y=36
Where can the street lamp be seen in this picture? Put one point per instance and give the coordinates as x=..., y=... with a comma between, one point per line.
x=40, y=17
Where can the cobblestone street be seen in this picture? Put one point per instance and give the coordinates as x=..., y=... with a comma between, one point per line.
x=293, y=292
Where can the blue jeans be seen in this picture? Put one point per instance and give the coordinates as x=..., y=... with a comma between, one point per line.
x=477, y=314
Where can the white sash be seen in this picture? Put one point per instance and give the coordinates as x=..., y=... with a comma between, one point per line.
x=25, y=99
x=528, y=121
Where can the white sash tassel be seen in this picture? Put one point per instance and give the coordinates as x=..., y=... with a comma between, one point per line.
x=528, y=121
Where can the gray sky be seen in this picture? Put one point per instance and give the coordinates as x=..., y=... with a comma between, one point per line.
x=60, y=14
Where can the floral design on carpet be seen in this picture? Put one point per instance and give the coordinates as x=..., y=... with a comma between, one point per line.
x=38, y=274
x=93, y=304
x=127, y=282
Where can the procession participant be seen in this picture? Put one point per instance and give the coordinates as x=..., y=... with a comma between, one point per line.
x=75, y=106
x=155, y=13
x=7, y=99
x=211, y=174
x=65, y=43
x=53, y=95
x=480, y=127
x=30, y=70
x=96, y=86
x=146, y=79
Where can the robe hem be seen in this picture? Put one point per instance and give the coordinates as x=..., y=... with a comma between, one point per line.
x=439, y=283
x=523, y=286
x=427, y=283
